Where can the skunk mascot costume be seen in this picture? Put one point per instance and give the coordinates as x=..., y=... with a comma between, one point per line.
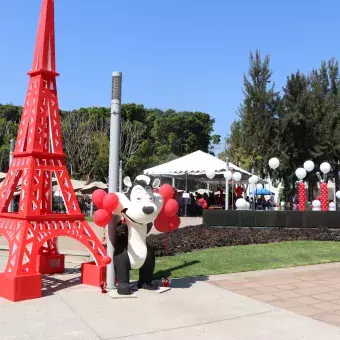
x=138, y=208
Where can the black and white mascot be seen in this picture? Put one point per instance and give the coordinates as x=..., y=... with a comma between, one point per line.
x=138, y=208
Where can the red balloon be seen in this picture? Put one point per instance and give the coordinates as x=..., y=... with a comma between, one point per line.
x=98, y=197
x=167, y=191
x=162, y=223
x=170, y=208
x=106, y=260
x=101, y=217
x=205, y=205
x=175, y=222
x=110, y=202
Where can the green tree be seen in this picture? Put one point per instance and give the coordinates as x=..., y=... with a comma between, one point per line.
x=251, y=139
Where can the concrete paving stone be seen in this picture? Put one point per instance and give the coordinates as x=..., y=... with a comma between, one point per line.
x=180, y=307
x=326, y=306
x=336, y=292
x=304, y=284
x=328, y=318
x=306, y=300
x=265, y=290
x=325, y=297
x=286, y=303
x=304, y=310
x=288, y=286
x=275, y=281
x=252, y=285
x=278, y=325
x=227, y=284
x=264, y=297
x=245, y=292
x=336, y=286
x=287, y=294
x=314, y=290
x=337, y=301
x=45, y=318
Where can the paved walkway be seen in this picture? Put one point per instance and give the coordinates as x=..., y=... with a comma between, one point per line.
x=193, y=309
x=313, y=291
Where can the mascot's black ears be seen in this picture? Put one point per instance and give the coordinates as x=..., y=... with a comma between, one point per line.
x=156, y=183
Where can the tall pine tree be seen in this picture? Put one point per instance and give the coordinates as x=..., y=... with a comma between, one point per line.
x=258, y=112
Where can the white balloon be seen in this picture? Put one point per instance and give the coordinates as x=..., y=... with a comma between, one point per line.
x=251, y=180
x=325, y=168
x=309, y=166
x=259, y=186
x=237, y=176
x=316, y=204
x=228, y=175
x=241, y=204
x=300, y=173
x=210, y=173
x=332, y=205
x=248, y=206
x=256, y=178
x=274, y=163
x=337, y=194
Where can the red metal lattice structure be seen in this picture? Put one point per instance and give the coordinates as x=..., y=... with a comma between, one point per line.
x=38, y=158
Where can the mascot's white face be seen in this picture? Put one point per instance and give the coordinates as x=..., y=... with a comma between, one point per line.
x=139, y=204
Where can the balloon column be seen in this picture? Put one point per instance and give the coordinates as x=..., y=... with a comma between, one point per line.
x=325, y=169
x=301, y=173
x=324, y=196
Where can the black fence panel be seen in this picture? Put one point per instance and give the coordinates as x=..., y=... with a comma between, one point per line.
x=272, y=219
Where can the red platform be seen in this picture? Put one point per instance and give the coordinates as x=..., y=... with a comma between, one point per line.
x=38, y=158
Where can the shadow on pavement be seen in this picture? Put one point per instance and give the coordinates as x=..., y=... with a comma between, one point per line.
x=185, y=282
x=167, y=272
x=54, y=283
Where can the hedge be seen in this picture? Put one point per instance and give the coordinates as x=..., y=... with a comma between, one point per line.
x=201, y=237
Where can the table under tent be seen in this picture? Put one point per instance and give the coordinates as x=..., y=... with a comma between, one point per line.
x=194, y=167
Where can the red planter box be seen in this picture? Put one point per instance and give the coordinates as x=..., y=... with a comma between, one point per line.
x=92, y=275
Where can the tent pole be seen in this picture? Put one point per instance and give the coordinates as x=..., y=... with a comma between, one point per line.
x=186, y=190
x=173, y=182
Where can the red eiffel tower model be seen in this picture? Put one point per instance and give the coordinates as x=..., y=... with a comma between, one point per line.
x=38, y=158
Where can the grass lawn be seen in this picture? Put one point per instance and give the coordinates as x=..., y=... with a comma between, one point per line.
x=226, y=260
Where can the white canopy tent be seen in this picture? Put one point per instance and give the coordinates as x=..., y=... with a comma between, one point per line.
x=194, y=165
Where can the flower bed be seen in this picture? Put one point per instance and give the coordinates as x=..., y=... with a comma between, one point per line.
x=201, y=237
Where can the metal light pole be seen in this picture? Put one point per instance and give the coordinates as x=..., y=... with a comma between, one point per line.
x=114, y=167
x=227, y=186
x=120, y=176
x=11, y=150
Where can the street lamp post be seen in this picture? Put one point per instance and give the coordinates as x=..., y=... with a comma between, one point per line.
x=227, y=186
x=115, y=122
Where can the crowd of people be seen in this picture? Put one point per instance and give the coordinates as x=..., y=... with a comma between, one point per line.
x=216, y=200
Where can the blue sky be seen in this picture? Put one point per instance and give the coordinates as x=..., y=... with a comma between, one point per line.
x=179, y=54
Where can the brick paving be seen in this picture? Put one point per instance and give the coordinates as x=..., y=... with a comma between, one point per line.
x=312, y=291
